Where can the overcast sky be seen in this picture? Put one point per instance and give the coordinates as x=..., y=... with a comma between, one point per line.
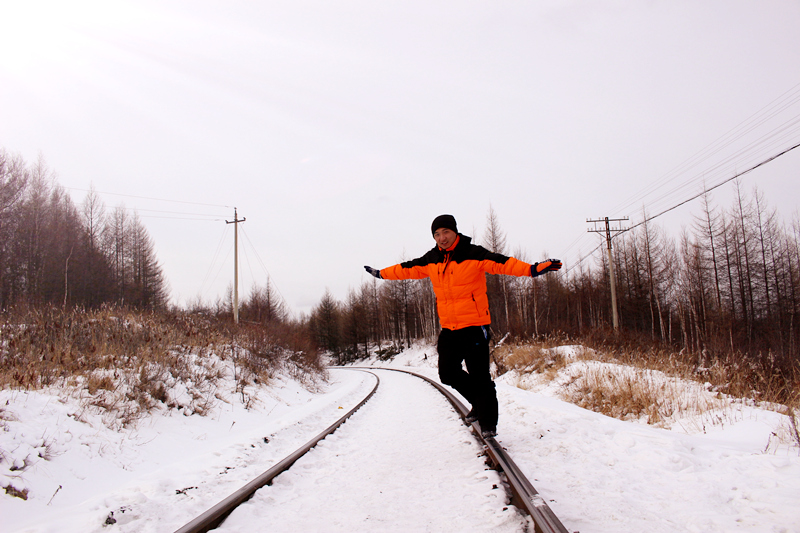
x=341, y=129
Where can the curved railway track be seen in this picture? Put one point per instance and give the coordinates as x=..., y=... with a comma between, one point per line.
x=524, y=495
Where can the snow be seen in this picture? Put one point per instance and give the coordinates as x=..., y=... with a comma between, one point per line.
x=396, y=487
x=403, y=462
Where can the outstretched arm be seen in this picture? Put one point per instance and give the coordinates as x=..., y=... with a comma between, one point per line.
x=408, y=270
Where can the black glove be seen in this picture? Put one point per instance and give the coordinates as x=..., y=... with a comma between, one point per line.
x=538, y=269
x=374, y=271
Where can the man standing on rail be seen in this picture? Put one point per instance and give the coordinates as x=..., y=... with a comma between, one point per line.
x=457, y=271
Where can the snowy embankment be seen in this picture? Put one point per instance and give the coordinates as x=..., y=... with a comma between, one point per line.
x=81, y=476
x=734, y=468
x=598, y=474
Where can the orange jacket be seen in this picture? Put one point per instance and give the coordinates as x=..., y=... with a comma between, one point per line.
x=458, y=276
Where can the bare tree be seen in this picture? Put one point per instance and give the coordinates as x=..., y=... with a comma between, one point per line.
x=707, y=228
x=94, y=217
x=325, y=323
x=116, y=246
x=13, y=183
x=744, y=253
x=33, y=219
x=146, y=287
x=654, y=270
x=494, y=240
x=264, y=305
x=97, y=281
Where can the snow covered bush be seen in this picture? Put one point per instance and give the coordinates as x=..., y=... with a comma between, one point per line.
x=653, y=387
x=123, y=363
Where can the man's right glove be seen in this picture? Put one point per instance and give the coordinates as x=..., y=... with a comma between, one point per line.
x=374, y=271
x=537, y=269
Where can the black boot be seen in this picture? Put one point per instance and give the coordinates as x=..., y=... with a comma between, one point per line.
x=488, y=432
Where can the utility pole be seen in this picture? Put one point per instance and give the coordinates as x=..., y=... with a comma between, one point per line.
x=608, y=229
x=235, y=223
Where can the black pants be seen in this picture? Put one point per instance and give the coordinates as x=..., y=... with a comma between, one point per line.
x=470, y=345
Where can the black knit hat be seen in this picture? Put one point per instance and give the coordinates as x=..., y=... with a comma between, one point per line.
x=444, y=221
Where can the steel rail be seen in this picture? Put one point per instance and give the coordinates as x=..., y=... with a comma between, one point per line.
x=544, y=519
x=213, y=517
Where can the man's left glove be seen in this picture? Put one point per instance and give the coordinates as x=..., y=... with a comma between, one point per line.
x=374, y=271
x=537, y=269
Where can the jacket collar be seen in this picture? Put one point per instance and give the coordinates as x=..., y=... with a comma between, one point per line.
x=459, y=240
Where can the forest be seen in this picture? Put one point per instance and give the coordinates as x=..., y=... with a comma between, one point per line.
x=725, y=292
x=53, y=252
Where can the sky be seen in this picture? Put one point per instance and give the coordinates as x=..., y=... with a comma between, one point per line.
x=340, y=130
x=733, y=468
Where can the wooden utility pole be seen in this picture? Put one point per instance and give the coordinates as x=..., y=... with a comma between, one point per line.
x=608, y=229
x=235, y=223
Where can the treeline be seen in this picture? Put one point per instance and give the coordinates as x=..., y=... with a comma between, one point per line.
x=729, y=284
x=728, y=287
x=56, y=253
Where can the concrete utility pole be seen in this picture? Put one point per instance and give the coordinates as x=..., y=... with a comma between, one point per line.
x=235, y=223
x=608, y=229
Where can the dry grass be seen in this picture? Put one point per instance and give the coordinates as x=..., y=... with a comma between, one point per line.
x=624, y=397
x=792, y=412
x=629, y=381
x=536, y=356
x=43, y=346
x=634, y=394
x=125, y=363
x=753, y=376
x=12, y=491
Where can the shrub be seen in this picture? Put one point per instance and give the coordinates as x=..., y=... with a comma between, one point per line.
x=128, y=361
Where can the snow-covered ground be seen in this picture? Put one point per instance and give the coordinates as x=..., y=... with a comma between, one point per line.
x=598, y=474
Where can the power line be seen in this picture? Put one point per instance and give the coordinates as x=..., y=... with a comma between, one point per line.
x=754, y=151
x=217, y=219
x=706, y=190
x=714, y=187
x=204, y=290
x=269, y=276
x=213, y=262
x=786, y=131
x=780, y=104
x=148, y=198
x=138, y=210
x=581, y=259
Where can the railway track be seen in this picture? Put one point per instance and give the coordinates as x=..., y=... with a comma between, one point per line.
x=524, y=495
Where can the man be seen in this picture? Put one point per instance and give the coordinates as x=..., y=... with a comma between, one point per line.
x=457, y=269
